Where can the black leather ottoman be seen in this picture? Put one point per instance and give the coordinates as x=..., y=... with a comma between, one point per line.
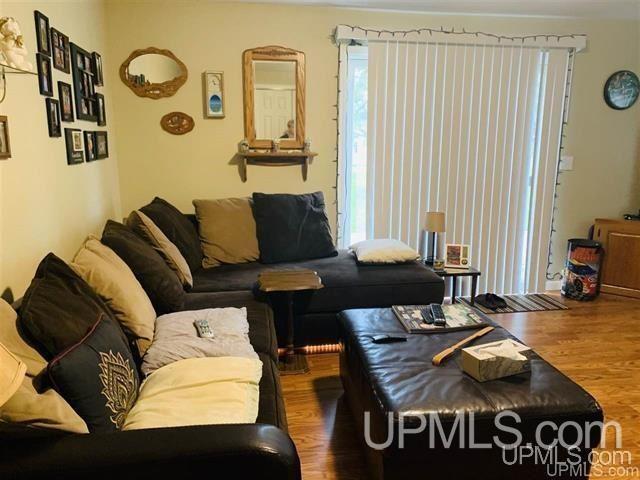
x=400, y=388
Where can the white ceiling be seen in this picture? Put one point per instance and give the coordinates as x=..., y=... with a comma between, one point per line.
x=629, y=9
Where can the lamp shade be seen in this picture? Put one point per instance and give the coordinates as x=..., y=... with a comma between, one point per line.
x=12, y=372
x=434, y=222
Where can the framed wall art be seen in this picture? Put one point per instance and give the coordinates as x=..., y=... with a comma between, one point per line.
x=102, y=145
x=60, y=51
x=73, y=140
x=45, y=83
x=90, y=146
x=5, y=146
x=100, y=110
x=42, y=33
x=96, y=64
x=213, y=85
x=66, y=101
x=53, y=117
x=83, y=84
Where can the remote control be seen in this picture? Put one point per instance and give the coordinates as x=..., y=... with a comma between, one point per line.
x=204, y=330
x=437, y=313
x=387, y=339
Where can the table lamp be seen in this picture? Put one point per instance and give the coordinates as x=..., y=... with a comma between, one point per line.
x=12, y=372
x=433, y=224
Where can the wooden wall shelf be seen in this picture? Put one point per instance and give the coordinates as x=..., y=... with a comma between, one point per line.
x=276, y=159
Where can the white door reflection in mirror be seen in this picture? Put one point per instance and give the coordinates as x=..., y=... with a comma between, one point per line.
x=275, y=99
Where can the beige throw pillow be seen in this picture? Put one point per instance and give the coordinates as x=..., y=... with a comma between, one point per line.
x=227, y=231
x=26, y=406
x=116, y=284
x=144, y=226
x=198, y=391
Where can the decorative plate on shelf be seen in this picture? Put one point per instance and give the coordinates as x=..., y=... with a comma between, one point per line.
x=622, y=89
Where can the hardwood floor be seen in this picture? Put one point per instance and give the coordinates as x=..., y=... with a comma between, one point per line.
x=596, y=343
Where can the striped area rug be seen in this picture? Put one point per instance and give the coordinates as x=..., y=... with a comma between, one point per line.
x=533, y=302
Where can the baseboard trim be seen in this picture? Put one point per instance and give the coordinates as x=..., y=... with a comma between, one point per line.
x=553, y=285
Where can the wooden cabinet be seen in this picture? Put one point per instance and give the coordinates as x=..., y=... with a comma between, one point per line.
x=621, y=264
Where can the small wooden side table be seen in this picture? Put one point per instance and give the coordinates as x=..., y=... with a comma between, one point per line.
x=454, y=273
x=289, y=282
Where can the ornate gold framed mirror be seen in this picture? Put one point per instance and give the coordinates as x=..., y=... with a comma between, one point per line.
x=274, y=97
x=153, y=73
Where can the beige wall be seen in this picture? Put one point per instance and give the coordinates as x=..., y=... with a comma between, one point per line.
x=212, y=36
x=45, y=204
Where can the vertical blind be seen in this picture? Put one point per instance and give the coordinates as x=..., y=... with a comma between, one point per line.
x=474, y=131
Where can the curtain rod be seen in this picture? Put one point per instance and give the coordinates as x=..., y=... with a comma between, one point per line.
x=346, y=33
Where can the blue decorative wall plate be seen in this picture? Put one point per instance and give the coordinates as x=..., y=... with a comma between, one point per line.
x=621, y=90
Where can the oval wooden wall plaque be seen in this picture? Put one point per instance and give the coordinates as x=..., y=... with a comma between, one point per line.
x=177, y=123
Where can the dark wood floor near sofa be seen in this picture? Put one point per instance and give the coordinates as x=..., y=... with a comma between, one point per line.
x=597, y=344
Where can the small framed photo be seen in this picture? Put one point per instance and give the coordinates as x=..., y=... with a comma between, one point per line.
x=102, y=145
x=60, y=51
x=456, y=255
x=53, y=117
x=42, y=33
x=213, y=94
x=101, y=112
x=5, y=146
x=98, y=75
x=75, y=149
x=66, y=102
x=44, y=75
x=90, y=146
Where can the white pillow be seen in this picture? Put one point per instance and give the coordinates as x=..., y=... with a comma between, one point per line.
x=384, y=250
x=176, y=338
x=198, y=391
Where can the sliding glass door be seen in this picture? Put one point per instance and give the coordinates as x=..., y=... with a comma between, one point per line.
x=470, y=130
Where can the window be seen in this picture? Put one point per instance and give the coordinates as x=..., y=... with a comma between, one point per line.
x=471, y=130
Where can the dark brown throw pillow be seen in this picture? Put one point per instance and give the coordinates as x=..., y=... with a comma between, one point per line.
x=160, y=282
x=98, y=377
x=292, y=227
x=59, y=307
x=178, y=229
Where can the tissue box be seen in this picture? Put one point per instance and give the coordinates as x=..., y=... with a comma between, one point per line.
x=495, y=360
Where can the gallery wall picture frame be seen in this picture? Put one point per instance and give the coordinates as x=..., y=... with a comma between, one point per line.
x=213, y=94
x=96, y=65
x=102, y=145
x=100, y=110
x=60, y=53
x=65, y=95
x=42, y=33
x=83, y=84
x=90, y=146
x=74, y=143
x=53, y=117
x=5, y=144
x=45, y=82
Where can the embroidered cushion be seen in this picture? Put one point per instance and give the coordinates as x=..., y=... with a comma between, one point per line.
x=198, y=391
x=97, y=376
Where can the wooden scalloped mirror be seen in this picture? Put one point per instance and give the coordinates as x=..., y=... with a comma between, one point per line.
x=274, y=97
x=153, y=73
